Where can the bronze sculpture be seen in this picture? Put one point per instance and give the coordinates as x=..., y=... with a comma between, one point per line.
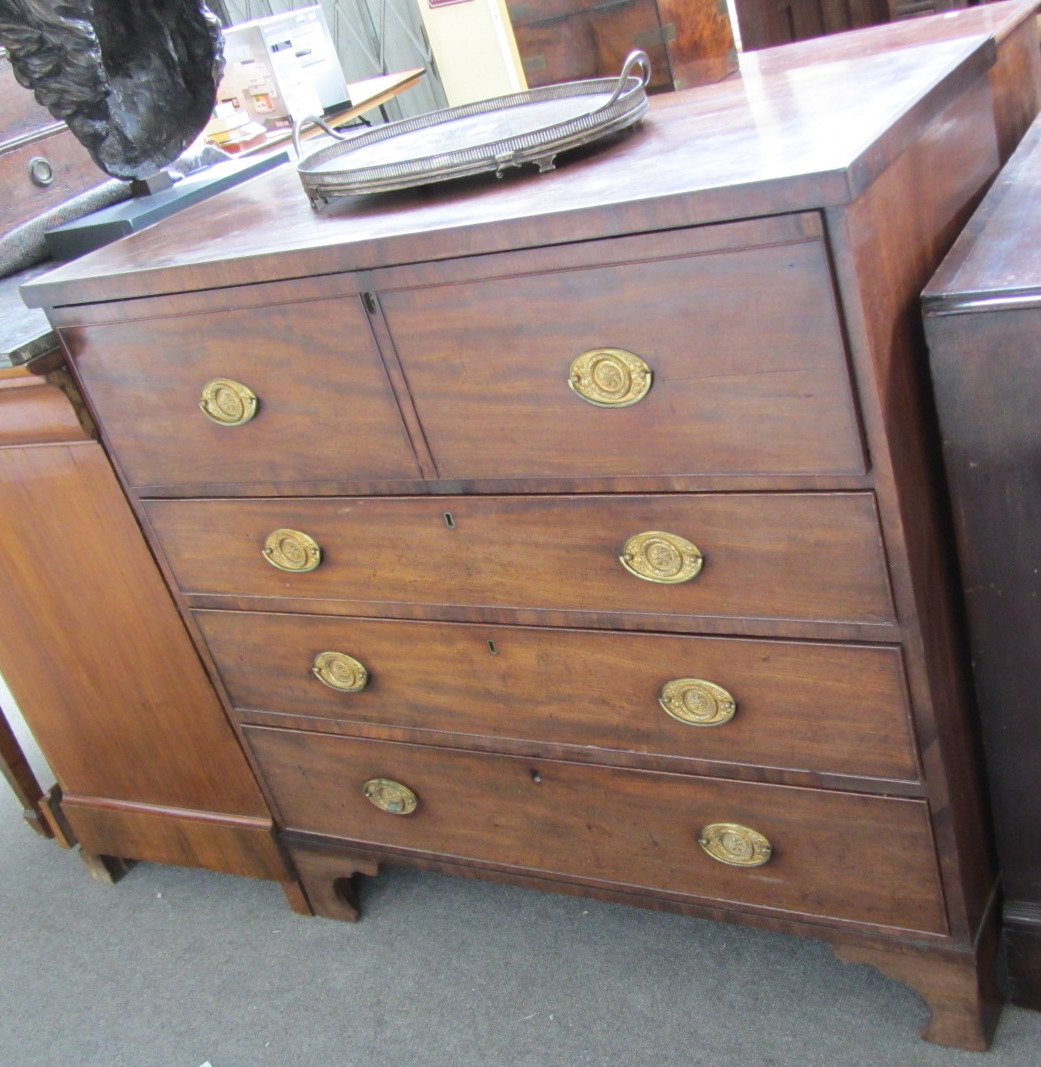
x=135, y=80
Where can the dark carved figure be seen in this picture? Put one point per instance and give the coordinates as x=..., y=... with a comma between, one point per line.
x=135, y=80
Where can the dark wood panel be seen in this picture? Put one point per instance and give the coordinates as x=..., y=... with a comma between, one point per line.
x=733, y=338
x=325, y=406
x=791, y=556
x=689, y=42
x=983, y=317
x=995, y=262
x=765, y=23
x=829, y=708
x=986, y=374
x=845, y=856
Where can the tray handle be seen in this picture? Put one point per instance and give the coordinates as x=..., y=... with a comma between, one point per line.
x=633, y=59
x=314, y=120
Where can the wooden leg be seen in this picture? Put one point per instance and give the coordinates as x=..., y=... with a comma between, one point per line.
x=327, y=876
x=297, y=898
x=961, y=988
x=15, y=768
x=50, y=808
x=109, y=869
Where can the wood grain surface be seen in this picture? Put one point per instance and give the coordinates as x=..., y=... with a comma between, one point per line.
x=815, y=557
x=839, y=856
x=830, y=708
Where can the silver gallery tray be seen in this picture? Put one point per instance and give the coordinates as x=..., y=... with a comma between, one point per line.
x=488, y=135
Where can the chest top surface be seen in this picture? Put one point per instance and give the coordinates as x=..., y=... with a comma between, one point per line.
x=764, y=144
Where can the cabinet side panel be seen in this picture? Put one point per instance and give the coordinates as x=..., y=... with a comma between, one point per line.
x=187, y=838
x=94, y=650
x=888, y=244
x=986, y=371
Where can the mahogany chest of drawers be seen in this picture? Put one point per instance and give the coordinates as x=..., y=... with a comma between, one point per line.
x=578, y=530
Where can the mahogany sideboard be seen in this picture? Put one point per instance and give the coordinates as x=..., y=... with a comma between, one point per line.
x=983, y=323
x=581, y=530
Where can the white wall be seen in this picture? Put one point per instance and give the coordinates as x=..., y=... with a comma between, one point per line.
x=32, y=752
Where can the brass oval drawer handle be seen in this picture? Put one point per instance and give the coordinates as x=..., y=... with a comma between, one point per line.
x=228, y=402
x=390, y=796
x=736, y=845
x=610, y=377
x=661, y=557
x=291, y=550
x=696, y=702
x=339, y=671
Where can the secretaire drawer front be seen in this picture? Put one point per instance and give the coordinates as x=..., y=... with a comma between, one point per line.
x=773, y=556
x=282, y=393
x=828, y=708
x=849, y=856
x=726, y=362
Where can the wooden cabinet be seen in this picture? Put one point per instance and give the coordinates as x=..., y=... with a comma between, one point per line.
x=630, y=579
x=98, y=658
x=689, y=42
x=983, y=321
x=42, y=165
x=766, y=23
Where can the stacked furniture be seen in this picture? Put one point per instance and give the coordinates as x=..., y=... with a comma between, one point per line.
x=580, y=530
x=93, y=647
x=42, y=165
x=983, y=322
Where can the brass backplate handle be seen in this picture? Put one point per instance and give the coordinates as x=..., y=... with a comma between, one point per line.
x=735, y=845
x=339, y=671
x=291, y=550
x=228, y=402
x=610, y=377
x=390, y=796
x=695, y=702
x=662, y=557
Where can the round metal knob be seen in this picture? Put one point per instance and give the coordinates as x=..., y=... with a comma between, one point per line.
x=610, y=377
x=736, y=845
x=41, y=171
x=291, y=550
x=228, y=402
x=390, y=796
x=339, y=671
x=696, y=702
x=661, y=557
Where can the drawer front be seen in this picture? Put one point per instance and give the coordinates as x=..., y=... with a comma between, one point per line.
x=836, y=708
x=44, y=174
x=749, y=372
x=773, y=556
x=856, y=857
x=324, y=406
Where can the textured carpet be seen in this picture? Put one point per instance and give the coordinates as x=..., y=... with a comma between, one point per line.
x=178, y=968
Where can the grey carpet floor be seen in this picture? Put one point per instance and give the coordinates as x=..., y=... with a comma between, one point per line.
x=180, y=968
